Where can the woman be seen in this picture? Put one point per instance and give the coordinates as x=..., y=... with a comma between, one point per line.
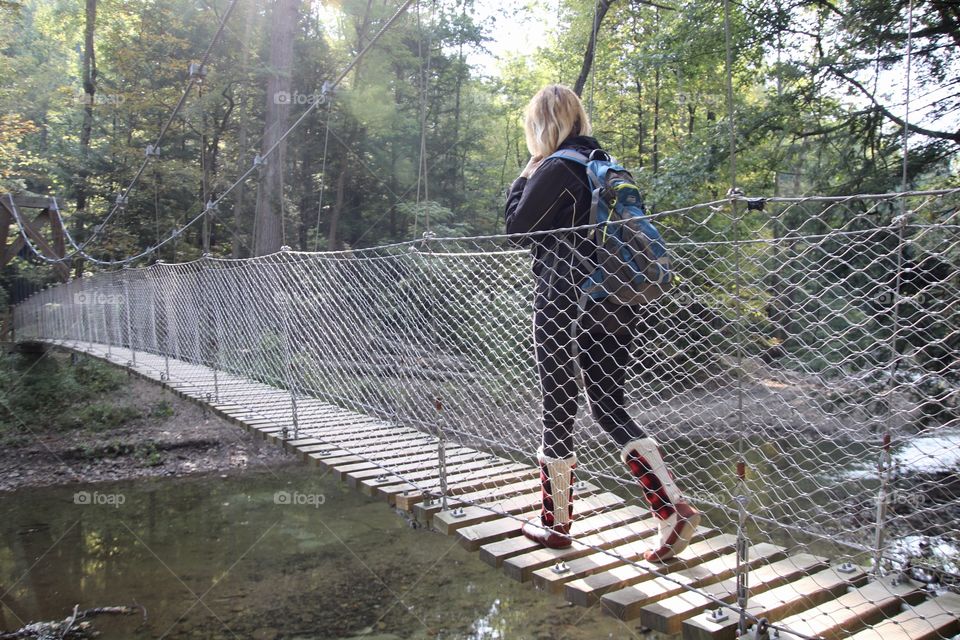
x=553, y=193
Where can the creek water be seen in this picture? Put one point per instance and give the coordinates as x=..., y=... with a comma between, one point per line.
x=288, y=553
x=284, y=553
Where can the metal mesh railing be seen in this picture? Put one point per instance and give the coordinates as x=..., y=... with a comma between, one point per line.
x=799, y=337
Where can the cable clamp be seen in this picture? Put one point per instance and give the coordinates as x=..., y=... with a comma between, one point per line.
x=561, y=568
x=210, y=206
x=902, y=218
x=285, y=247
x=121, y=201
x=153, y=151
x=458, y=512
x=735, y=192
x=259, y=161
x=197, y=71
x=761, y=630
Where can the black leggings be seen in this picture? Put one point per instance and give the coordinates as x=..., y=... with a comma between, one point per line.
x=603, y=360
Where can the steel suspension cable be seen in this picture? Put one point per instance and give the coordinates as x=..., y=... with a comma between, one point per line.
x=175, y=233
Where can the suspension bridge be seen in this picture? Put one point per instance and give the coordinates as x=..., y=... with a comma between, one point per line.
x=818, y=433
x=801, y=378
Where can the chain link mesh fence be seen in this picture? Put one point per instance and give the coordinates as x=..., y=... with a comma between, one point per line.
x=798, y=335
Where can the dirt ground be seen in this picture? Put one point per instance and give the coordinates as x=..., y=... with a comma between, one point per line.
x=169, y=437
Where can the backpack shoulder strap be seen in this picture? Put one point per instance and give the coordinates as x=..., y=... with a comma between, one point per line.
x=570, y=154
x=579, y=158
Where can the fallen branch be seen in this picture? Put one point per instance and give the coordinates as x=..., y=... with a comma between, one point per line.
x=76, y=625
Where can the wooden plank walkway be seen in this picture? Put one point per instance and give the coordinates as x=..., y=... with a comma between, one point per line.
x=489, y=496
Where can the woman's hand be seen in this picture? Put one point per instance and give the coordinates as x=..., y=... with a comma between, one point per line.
x=531, y=167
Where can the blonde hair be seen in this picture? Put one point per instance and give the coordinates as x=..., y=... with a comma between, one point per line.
x=553, y=115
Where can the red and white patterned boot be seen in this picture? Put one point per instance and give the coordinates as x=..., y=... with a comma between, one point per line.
x=552, y=527
x=677, y=518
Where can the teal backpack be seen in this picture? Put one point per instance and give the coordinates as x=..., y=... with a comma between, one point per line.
x=631, y=265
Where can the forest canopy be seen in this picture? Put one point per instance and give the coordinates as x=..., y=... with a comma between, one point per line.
x=425, y=132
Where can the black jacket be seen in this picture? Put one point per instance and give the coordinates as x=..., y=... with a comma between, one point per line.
x=558, y=196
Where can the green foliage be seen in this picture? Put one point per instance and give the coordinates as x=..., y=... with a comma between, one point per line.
x=48, y=393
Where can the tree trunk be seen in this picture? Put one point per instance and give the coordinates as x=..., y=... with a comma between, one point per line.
x=243, y=160
x=332, y=239
x=602, y=7
x=640, y=128
x=89, y=96
x=656, y=121
x=268, y=221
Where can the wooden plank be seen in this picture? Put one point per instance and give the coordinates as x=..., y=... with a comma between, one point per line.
x=700, y=551
x=593, y=575
x=476, y=476
x=395, y=484
x=425, y=512
x=521, y=567
x=479, y=526
x=670, y=612
x=852, y=611
x=497, y=553
x=406, y=467
x=406, y=500
x=330, y=456
x=29, y=201
x=527, y=504
x=646, y=587
x=938, y=617
x=358, y=440
x=773, y=604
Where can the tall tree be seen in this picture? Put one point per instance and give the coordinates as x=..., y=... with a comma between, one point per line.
x=89, y=98
x=268, y=222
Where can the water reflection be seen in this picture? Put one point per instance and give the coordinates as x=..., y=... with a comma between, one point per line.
x=244, y=558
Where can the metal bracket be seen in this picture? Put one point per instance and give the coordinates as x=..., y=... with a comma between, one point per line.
x=846, y=567
x=580, y=485
x=718, y=615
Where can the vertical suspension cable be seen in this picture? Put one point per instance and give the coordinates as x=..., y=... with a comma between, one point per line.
x=422, y=175
x=884, y=465
x=742, y=569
